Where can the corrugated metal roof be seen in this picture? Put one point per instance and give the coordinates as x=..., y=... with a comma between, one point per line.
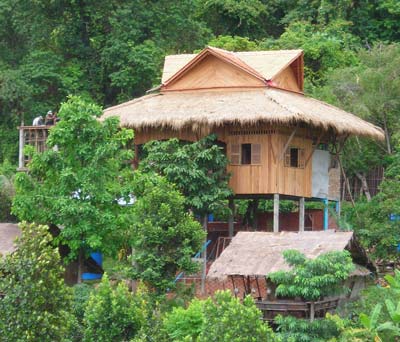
x=260, y=253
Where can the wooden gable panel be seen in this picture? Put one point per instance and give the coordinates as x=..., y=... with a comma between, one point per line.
x=287, y=79
x=213, y=72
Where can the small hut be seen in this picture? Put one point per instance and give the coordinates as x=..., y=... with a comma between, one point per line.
x=280, y=143
x=245, y=264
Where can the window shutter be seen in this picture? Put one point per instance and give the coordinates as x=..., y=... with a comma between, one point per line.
x=256, y=153
x=235, y=154
x=301, y=158
x=287, y=158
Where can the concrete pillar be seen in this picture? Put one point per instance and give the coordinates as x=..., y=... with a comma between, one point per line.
x=276, y=213
x=301, y=214
x=21, y=147
x=231, y=217
x=326, y=213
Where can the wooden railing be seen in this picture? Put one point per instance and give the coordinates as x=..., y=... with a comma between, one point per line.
x=35, y=136
x=299, y=309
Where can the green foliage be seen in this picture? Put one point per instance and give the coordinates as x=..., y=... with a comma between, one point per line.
x=113, y=314
x=225, y=309
x=81, y=294
x=183, y=323
x=164, y=236
x=325, y=48
x=292, y=329
x=235, y=43
x=313, y=279
x=211, y=320
x=76, y=183
x=198, y=169
x=371, y=220
x=36, y=304
x=7, y=191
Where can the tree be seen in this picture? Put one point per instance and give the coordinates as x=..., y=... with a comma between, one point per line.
x=313, y=279
x=326, y=48
x=198, y=169
x=371, y=89
x=77, y=182
x=164, y=236
x=36, y=304
x=377, y=222
x=113, y=314
x=211, y=320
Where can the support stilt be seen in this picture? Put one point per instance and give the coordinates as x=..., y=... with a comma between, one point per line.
x=231, y=217
x=326, y=213
x=204, y=270
x=276, y=213
x=255, y=218
x=301, y=214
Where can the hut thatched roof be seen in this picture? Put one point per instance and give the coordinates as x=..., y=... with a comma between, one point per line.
x=199, y=109
x=266, y=63
x=8, y=233
x=260, y=253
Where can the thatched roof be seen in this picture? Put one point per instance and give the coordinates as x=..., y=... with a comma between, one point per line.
x=260, y=253
x=266, y=63
x=197, y=109
x=8, y=233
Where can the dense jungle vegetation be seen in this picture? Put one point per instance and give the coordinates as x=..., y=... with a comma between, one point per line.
x=82, y=52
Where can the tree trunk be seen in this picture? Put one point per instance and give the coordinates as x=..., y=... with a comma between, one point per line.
x=387, y=136
x=204, y=271
x=364, y=185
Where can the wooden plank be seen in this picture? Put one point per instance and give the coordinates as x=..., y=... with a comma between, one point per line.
x=212, y=72
x=287, y=143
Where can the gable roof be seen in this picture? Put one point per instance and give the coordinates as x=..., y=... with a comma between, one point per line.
x=260, y=253
x=178, y=110
x=261, y=64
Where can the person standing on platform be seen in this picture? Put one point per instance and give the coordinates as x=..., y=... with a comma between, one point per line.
x=50, y=118
x=38, y=121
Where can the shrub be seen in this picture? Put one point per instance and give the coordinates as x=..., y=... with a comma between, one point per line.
x=292, y=329
x=224, y=318
x=227, y=319
x=312, y=279
x=112, y=314
x=36, y=304
x=183, y=323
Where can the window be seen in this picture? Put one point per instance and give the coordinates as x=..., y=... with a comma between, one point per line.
x=294, y=157
x=245, y=154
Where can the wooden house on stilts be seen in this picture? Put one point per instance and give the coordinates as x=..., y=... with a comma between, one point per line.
x=275, y=137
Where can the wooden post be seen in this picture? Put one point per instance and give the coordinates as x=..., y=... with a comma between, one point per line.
x=301, y=214
x=255, y=218
x=204, y=271
x=276, y=213
x=312, y=311
x=21, y=158
x=231, y=217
